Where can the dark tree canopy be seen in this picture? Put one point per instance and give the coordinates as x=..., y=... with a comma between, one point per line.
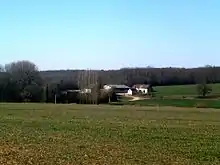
x=154, y=76
x=24, y=73
x=22, y=81
x=2, y=68
x=203, y=89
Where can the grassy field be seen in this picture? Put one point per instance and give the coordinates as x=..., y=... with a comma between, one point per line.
x=197, y=103
x=114, y=135
x=183, y=90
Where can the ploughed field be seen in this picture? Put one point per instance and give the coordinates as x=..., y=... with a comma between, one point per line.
x=104, y=134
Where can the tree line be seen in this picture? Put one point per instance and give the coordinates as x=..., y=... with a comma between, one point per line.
x=153, y=76
x=22, y=81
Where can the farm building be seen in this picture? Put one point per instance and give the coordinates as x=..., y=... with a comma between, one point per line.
x=88, y=89
x=120, y=89
x=143, y=88
x=132, y=91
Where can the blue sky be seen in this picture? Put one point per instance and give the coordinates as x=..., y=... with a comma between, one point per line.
x=110, y=34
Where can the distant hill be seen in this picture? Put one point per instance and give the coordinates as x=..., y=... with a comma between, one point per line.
x=57, y=75
x=155, y=76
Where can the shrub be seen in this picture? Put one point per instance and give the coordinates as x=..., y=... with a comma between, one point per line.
x=88, y=98
x=201, y=105
x=203, y=89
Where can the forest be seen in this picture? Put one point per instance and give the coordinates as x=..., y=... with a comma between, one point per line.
x=22, y=81
x=148, y=75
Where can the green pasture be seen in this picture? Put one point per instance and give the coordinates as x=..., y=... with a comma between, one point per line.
x=183, y=90
x=198, y=103
x=103, y=134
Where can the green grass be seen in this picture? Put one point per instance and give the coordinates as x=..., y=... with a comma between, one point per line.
x=183, y=90
x=86, y=134
x=200, y=103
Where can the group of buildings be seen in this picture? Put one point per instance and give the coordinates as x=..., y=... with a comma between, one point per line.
x=126, y=90
x=119, y=89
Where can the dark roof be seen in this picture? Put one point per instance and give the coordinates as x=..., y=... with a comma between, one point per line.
x=133, y=89
x=141, y=86
x=118, y=86
x=69, y=91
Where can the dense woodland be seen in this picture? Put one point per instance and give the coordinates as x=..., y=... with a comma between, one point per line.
x=22, y=81
x=154, y=76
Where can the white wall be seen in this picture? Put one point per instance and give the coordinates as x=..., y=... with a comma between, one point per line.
x=107, y=87
x=130, y=92
x=86, y=91
x=143, y=90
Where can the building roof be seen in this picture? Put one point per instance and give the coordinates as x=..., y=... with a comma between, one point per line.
x=141, y=86
x=133, y=89
x=69, y=91
x=118, y=86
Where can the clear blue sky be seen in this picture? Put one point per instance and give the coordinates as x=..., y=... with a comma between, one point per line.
x=110, y=34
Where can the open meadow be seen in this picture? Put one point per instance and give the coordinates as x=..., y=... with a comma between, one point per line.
x=103, y=134
x=187, y=103
x=183, y=90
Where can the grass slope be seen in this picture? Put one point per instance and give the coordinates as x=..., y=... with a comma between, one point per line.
x=183, y=90
x=199, y=103
x=85, y=134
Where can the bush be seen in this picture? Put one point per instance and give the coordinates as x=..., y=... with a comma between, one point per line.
x=201, y=105
x=203, y=89
x=88, y=98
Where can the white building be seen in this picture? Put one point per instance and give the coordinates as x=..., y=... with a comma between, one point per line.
x=130, y=92
x=142, y=88
x=120, y=89
x=115, y=86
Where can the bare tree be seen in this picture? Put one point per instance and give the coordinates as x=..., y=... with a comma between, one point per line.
x=24, y=72
x=203, y=89
x=110, y=93
x=26, y=76
x=2, y=68
x=89, y=79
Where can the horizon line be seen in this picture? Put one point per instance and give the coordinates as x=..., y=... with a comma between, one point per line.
x=124, y=68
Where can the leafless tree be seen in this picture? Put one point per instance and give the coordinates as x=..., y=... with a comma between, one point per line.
x=89, y=79
x=26, y=76
x=2, y=68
